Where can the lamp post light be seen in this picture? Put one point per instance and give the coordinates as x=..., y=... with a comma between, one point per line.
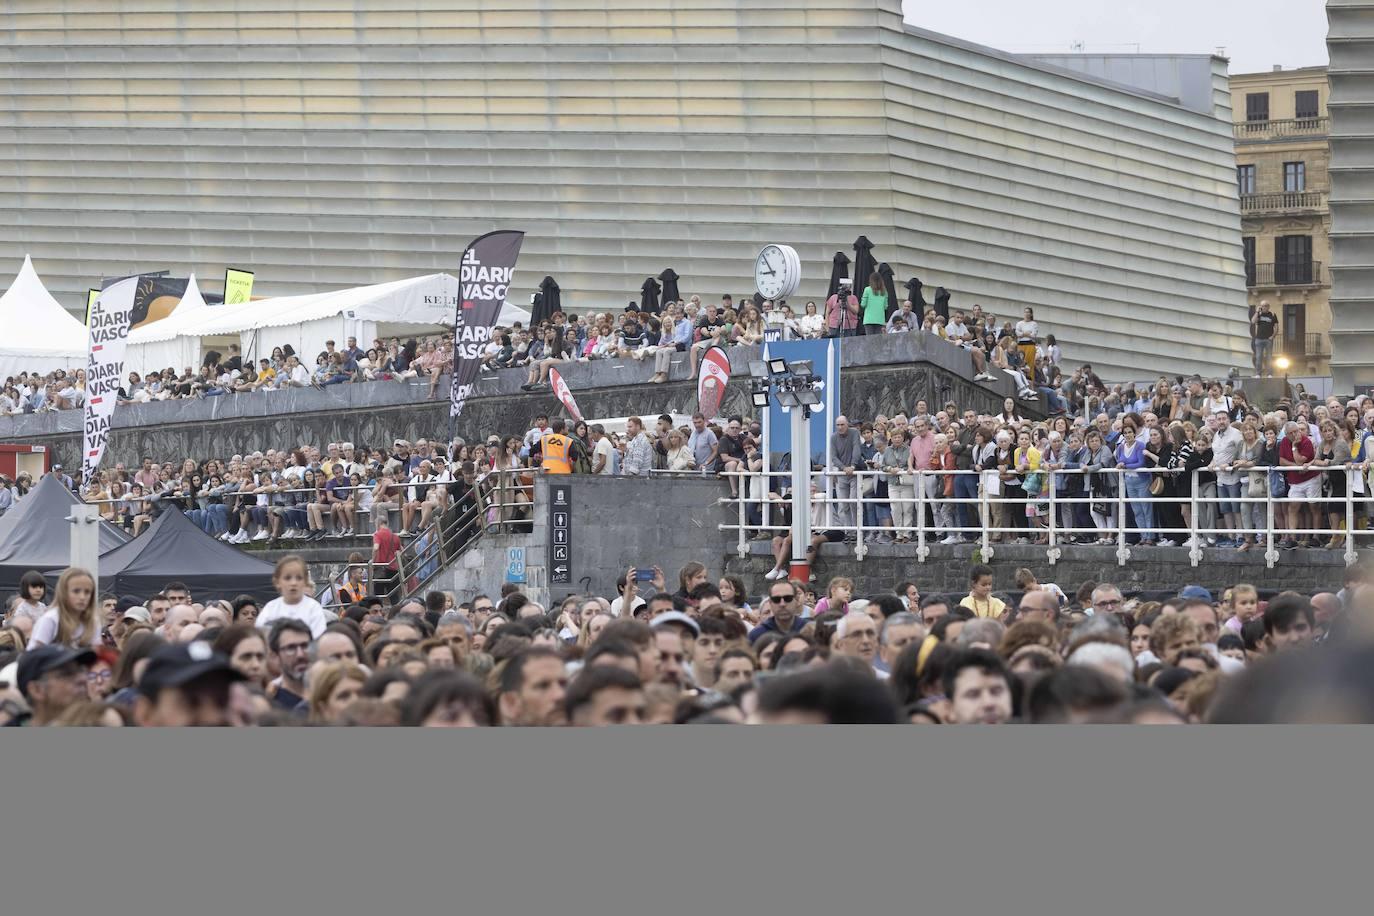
x=796, y=388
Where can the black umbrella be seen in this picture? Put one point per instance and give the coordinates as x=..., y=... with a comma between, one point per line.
x=913, y=292
x=839, y=271
x=864, y=264
x=885, y=271
x=670, y=278
x=942, y=302
x=648, y=300
x=547, y=301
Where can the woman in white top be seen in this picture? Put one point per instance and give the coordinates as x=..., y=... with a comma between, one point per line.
x=812, y=323
x=679, y=455
x=73, y=620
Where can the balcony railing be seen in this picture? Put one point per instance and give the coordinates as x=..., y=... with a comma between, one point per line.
x=1282, y=130
x=1281, y=202
x=1312, y=345
x=1284, y=273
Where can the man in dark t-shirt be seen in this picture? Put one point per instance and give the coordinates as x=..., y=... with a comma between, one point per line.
x=1263, y=324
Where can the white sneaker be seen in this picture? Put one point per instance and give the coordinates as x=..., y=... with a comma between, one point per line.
x=1167, y=542
x=952, y=539
x=261, y=535
x=224, y=536
x=777, y=573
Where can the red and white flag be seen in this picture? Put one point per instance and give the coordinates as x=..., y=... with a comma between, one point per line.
x=715, y=375
x=565, y=395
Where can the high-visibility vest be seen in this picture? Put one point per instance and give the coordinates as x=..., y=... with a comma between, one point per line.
x=557, y=452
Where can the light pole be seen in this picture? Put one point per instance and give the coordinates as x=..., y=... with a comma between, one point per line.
x=796, y=388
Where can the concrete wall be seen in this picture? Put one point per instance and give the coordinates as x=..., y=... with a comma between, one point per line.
x=1350, y=42
x=882, y=374
x=327, y=144
x=1161, y=569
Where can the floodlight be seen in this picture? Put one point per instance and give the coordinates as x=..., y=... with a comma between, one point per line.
x=777, y=367
x=788, y=399
x=808, y=397
x=801, y=369
x=758, y=368
x=760, y=398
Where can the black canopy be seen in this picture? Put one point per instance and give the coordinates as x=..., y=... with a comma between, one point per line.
x=670, y=278
x=918, y=300
x=864, y=264
x=839, y=270
x=890, y=285
x=548, y=300
x=174, y=548
x=36, y=535
x=942, y=302
x=648, y=300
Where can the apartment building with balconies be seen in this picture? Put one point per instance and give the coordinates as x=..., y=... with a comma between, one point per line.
x=1283, y=155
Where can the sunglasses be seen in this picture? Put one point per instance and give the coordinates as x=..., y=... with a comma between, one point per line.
x=782, y=599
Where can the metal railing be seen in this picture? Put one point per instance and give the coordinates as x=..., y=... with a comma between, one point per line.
x=1311, y=345
x=1282, y=128
x=1282, y=202
x=1094, y=513
x=503, y=500
x=1284, y=273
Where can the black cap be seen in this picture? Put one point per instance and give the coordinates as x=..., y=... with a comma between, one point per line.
x=38, y=662
x=123, y=604
x=179, y=665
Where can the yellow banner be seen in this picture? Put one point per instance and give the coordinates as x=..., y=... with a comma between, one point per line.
x=91, y=296
x=238, y=286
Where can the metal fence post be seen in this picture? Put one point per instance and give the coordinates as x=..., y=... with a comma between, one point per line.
x=860, y=548
x=1123, y=553
x=984, y=515
x=1194, y=542
x=1351, y=555
x=1271, y=552
x=1052, y=554
x=743, y=547
x=922, y=551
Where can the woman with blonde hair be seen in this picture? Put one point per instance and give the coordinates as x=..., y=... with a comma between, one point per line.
x=679, y=456
x=333, y=689
x=74, y=618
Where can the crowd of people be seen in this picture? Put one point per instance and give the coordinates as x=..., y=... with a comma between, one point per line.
x=702, y=652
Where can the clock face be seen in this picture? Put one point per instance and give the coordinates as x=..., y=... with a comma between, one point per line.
x=777, y=272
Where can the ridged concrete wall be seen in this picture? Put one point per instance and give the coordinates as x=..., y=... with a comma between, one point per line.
x=1350, y=43
x=333, y=142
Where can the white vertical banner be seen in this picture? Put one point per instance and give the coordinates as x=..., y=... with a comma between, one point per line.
x=108, y=331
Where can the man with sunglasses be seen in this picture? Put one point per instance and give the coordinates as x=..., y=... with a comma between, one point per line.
x=784, y=607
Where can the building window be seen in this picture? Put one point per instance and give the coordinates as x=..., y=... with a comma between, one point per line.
x=1257, y=106
x=1305, y=104
x=1293, y=260
x=1248, y=246
x=1294, y=330
x=1245, y=177
x=1295, y=176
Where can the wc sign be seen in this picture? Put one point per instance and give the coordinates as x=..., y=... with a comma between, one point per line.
x=515, y=565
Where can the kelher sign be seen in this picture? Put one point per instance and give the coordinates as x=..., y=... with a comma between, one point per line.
x=111, y=316
x=487, y=268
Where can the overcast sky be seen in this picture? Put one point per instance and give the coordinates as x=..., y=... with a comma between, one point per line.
x=1255, y=33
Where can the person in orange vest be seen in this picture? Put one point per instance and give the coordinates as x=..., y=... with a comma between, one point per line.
x=557, y=449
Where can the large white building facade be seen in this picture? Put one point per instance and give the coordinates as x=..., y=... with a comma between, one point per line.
x=324, y=143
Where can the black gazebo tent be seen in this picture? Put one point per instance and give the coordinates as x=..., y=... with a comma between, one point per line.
x=36, y=535
x=174, y=548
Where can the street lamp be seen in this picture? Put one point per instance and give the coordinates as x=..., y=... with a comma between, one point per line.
x=796, y=387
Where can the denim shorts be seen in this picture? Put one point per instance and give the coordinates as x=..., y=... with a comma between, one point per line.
x=1227, y=492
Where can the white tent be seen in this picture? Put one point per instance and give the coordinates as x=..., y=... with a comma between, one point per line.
x=306, y=322
x=164, y=344
x=39, y=335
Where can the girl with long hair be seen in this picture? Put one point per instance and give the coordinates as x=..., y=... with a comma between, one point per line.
x=74, y=618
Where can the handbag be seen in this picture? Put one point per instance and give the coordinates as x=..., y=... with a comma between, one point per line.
x=1157, y=485
x=1278, y=484
x=1035, y=483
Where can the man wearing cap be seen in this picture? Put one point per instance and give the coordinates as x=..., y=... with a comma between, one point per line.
x=842, y=311
x=187, y=685
x=52, y=678
x=134, y=614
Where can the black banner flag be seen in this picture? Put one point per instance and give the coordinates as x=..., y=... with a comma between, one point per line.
x=485, y=276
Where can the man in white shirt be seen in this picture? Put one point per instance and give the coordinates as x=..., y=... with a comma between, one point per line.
x=602, y=463
x=1227, y=445
x=536, y=432
x=957, y=330
x=905, y=313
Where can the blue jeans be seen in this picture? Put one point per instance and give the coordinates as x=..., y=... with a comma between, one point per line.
x=1138, y=492
x=966, y=487
x=1262, y=350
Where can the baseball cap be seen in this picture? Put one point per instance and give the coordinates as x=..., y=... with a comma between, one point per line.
x=1196, y=591
x=139, y=613
x=125, y=602
x=676, y=617
x=38, y=662
x=179, y=665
